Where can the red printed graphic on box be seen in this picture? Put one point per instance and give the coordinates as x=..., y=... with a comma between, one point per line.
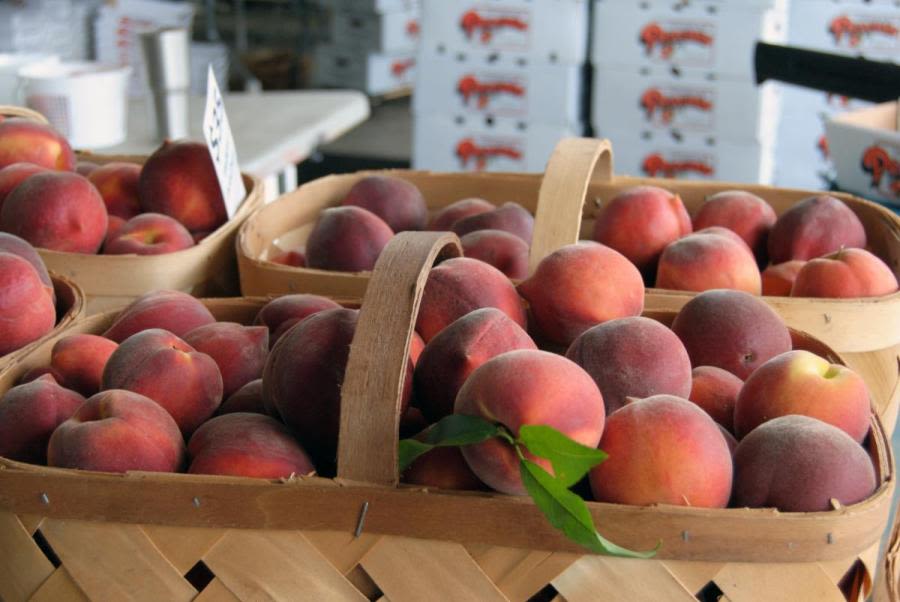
x=678, y=164
x=822, y=146
x=412, y=28
x=400, y=67
x=688, y=42
x=849, y=31
x=477, y=152
x=678, y=106
x=482, y=90
x=882, y=163
x=506, y=28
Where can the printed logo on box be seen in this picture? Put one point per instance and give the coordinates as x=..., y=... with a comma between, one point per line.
x=498, y=92
x=678, y=106
x=478, y=152
x=822, y=146
x=412, y=29
x=499, y=28
x=677, y=164
x=882, y=165
x=399, y=68
x=690, y=43
x=865, y=32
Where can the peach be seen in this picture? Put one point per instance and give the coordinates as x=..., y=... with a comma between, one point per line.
x=37, y=372
x=640, y=222
x=26, y=308
x=663, y=450
x=85, y=167
x=294, y=258
x=248, y=398
x=451, y=356
x=56, y=210
x=29, y=414
x=444, y=219
x=247, y=445
x=177, y=312
x=149, y=234
x=847, y=273
x=527, y=387
x=10, y=243
x=814, y=227
x=117, y=183
x=13, y=175
x=744, y=213
x=732, y=330
x=509, y=217
x=729, y=439
x=287, y=310
x=23, y=140
x=778, y=279
x=715, y=390
x=708, y=259
x=632, y=357
x=800, y=382
x=579, y=286
x=78, y=360
x=398, y=202
x=239, y=351
x=461, y=285
x=411, y=422
x=113, y=227
x=416, y=347
x=179, y=180
x=346, y=239
x=442, y=468
x=799, y=464
x=118, y=431
x=161, y=366
x=503, y=250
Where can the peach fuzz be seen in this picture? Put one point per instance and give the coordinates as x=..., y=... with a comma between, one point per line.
x=398, y=202
x=441, y=468
x=461, y=285
x=663, y=450
x=13, y=175
x=346, y=239
x=800, y=382
x=708, y=259
x=26, y=308
x=118, y=431
x=117, y=183
x=59, y=211
x=451, y=356
x=281, y=313
x=23, y=140
x=579, y=286
x=148, y=234
x=508, y=217
x=715, y=390
x=778, y=279
x=239, y=351
x=29, y=414
x=503, y=250
x=248, y=398
x=247, y=445
x=814, y=227
x=640, y=222
x=744, y=213
x=177, y=312
x=846, y=274
x=78, y=360
x=632, y=357
x=527, y=387
x=732, y=330
x=799, y=464
x=10, y=243
x=159, y=365
x=444, y=219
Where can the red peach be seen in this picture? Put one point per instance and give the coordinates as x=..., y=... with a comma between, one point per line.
x=741, y=212
x=398, y=202
x=509, y=217
x=13, y=175
x=26, y=308
x=78, y=361
x=149, y=234
x=444, y=219
x=85, y=167
x=707, y=259
x=503, y=250
x=715, y=390
x=814, y=227
x=10, y=243
x=778, y=279
x=294, y=258
x=442, y=468
x=248, y=398
x=346, y=239
x=416, y=347
x=847, y=273
x=287, y=310
x=23, y=140
x=177, y=312
x=117, y=183
x=239, y=351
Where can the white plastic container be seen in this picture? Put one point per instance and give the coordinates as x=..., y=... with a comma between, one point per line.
x=87, y=102
x=9, y=67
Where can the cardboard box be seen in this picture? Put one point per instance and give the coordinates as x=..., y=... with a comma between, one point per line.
x=499, y=86
x=388, y=32
x=444, y=143
x=738, y=110
x=852, y=27
x=865, y=148
x=545, y=30
x=700, y=36
x=374, y=74
x=372, y=6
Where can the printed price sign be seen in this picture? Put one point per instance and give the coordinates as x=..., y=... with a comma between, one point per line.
x=221, y=146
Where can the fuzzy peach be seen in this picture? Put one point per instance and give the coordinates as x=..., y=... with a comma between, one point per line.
x=281, y=313
x=708, y=259
x=503, y=250
x=444, y=219
x=846, y=273
x=24, y=140
x=239, y=351
x=117, y=183
x=814, y=227
x=347, y=239
x=248, y=398
x=177, y=312
x=26, y=308
x=13, y=175
x=778, y=279
x=716, y=390
x=398, y=202
x=744, y=213
x=149, y=234
x=509, y=217
x=78, y=361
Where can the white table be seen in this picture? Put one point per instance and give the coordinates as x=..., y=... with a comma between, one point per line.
x=273, y=131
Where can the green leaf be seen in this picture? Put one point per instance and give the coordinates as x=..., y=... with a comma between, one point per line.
x=570, y=459
x=568, y=512
x=451, y=431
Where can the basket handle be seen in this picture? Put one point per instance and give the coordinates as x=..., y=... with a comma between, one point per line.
x=575, y=164
x=14, y=111
x=376, y=367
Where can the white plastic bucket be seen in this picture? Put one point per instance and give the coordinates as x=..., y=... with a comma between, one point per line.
x=87, y=102
x=9, y=67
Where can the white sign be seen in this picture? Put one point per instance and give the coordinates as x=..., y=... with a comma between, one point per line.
x=221, y=146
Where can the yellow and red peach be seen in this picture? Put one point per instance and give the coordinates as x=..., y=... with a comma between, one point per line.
x=26, y=308
x=117, y=183
x=78, y=360
x=744, y=213
x=778, y=279
x=708, y=259
x=444, y=219
x=715, y=390
x=814, y=227
x=846, y=273
x=13, y=175
x=503, y=250
x=149, y=234
x=346, y=239
x=239, y=351
x=10, y=243
x=398, y=202
x=23, y=140
x=177, y=312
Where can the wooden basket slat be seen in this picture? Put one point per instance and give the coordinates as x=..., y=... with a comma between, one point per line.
x=519, y=573
x=60, y=587
x=744, y=582
x=594, y=578
x=115, y=561
x=24, y=567
x=411, y=570
x=694, y=575
x=363, y=582
x=182, y=547
x=31, y=522
x=342, y=549
x=881, y=371
x=216, y=591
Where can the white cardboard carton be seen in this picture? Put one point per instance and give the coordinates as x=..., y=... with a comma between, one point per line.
x=546, y=30
x=372, y=73
x=373, y=6
x=443, y=143
x=390, y=32
x=500, y=86
x=865, y=148
x=738, y=110
x=852, y=27
x=703, y=36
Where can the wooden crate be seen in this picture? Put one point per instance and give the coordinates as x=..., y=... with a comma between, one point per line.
x=73, y=535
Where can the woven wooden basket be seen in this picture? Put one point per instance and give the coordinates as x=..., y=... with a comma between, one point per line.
x=206, y=269
x=71, y=535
